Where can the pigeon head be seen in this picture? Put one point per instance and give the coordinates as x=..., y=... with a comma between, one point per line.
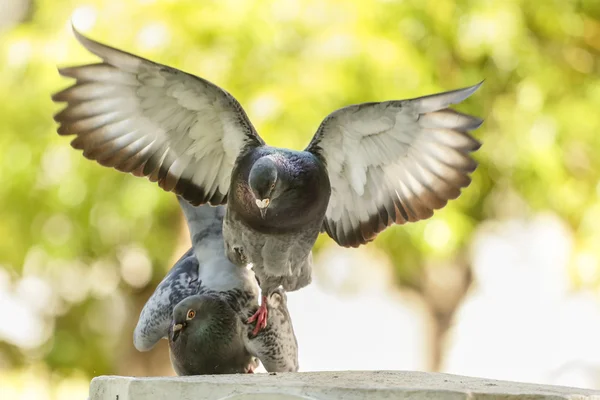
x=264, y=183
x=194, y=314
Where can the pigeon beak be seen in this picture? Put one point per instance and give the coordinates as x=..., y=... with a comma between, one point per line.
x=262, y=206
x=263, y=212
x=176, y=331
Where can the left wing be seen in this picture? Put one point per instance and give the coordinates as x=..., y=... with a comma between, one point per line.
x=393, y=162
x=155, y=319
x=152, y=120
x=276, y=345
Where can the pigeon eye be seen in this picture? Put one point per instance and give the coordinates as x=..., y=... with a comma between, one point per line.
x=191, y=314
x=273, y=186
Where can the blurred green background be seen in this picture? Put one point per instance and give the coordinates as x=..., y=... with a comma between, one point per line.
x=82, y=246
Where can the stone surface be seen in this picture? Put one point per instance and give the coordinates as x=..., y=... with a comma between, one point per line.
x=349, y=385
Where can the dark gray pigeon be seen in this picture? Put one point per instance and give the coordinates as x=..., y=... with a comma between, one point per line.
x=202, y=306
x=367, y=167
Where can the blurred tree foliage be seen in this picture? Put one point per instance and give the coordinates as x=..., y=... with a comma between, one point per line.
x=86, y=236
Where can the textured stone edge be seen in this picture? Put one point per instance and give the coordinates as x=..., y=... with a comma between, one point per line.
x=347, y=385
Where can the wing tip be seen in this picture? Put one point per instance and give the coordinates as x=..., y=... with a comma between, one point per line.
x=75, y=30
x=476, y=144
x=63, y=129
x=58, y=96
x=58, y=116
x=474, y=88
x=67, y=72
x=86, y=42
x=471, y=122
x=460, y=95
x=477, y=122
x=439, y=101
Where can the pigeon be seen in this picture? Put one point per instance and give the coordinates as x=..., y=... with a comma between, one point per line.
x=202, y=307
x=367, y=167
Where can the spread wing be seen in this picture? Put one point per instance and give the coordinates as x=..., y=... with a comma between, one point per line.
x=152, y=120
x=393, y=162
x=276, y=345
x=155, y=318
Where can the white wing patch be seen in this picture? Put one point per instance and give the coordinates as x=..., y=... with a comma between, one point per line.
x=393, y=162
x=152, y=120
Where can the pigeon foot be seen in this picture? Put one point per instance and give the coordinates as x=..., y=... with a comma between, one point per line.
x=260, y=317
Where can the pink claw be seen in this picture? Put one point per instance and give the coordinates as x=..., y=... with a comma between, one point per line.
x=260, y=316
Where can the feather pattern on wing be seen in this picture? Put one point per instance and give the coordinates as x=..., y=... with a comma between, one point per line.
x=156, y=316
x=188, y=277
x=152, y=120
x=205, y=270
x=393, y=162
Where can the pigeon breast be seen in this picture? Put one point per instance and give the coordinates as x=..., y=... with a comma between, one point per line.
x=303, y=201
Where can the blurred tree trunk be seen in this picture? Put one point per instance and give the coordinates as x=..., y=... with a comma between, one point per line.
x=443, y=287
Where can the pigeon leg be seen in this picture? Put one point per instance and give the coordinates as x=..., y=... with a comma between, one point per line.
x=260, y=316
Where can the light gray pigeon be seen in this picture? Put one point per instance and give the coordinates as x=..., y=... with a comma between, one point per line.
x=202, y=305
x=367, y=167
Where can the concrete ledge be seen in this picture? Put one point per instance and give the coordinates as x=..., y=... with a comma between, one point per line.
x=349, y=385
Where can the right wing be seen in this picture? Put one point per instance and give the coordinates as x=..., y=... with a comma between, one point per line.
x=393, y=162
x=156, y=316
x=152, y=120
x=276, y=345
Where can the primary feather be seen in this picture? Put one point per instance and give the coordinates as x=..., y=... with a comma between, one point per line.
x=152, y=120
x=393, y=162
